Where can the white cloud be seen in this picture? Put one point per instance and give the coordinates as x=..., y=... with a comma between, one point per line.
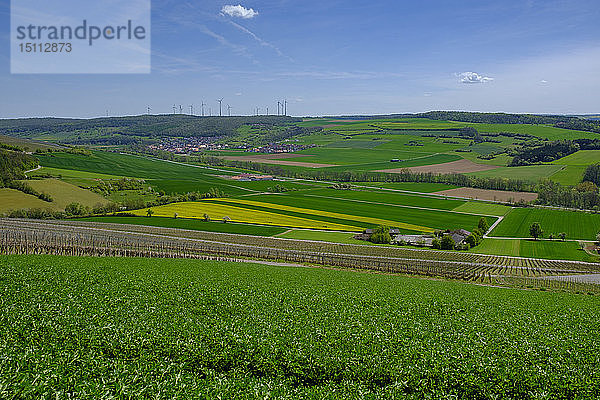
x=238, y=11
x=473, y=77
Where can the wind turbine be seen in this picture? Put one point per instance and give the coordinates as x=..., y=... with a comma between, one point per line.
x=228, y=110
x=267, y=110
x=203, y=104
x=148, y=109
x=278, y=105
x=220, y=104
x=285, y=107
x=174, y=109
x=191, y=109
x=180, y=109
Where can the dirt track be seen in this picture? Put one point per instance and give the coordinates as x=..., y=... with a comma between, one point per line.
x=483, y=194
x=458, y=167
x=277, y=159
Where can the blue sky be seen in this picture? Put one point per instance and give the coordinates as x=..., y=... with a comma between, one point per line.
x=339, y=57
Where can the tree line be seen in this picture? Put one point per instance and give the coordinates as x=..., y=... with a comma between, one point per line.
x=406, y=175
x=548, y=152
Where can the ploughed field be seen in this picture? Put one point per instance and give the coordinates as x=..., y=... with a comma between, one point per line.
x=172, y=328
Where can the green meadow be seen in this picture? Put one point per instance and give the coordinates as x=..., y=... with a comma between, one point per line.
x=577, y=225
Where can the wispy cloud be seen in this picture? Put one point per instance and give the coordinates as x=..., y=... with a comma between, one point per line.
x=260, y=40
x=473, y=77
x=238, y=11
x=239, y=49
x=339, y=75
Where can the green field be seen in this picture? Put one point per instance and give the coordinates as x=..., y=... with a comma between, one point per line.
x=573, y=166
x=11, y=199
x=531, y=173
x=198, y=179
x=127, y=165
x=421, y=187
x=541, y=131
x=62, y=194
x=582, y=157
x=73, y=176
x=191, y=224
x=569, y=175
x=435, y=219
x=577, y=225
x=266, y=216
x=26, y=144
x=376, y=197
x=164, y=328
x=534, y=249
x=476, y=207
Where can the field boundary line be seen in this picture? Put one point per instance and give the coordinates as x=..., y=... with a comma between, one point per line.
x=401, y=205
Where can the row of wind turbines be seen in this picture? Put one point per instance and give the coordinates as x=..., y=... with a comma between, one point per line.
x=281, y=109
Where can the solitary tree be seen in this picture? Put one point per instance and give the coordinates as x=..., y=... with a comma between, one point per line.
x=149, y=212
x=175, y=215
x=206, y=218
x=225, y=219
x=536, y=230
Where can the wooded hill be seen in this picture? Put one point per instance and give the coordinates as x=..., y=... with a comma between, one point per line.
x=13, y=164
x=127, y=130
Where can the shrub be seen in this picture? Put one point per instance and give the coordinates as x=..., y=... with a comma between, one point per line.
x=448, y=243
x=381, y=235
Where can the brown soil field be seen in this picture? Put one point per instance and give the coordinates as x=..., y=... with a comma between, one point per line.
x=266, y=160
x=483, y=194
x=458, y=167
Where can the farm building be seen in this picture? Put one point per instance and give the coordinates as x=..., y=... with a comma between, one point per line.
x=414, y=240
x=459, y=236
x=366, y=235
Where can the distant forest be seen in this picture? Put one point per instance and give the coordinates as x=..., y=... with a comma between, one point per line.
x=558, y=121
x=128, y=130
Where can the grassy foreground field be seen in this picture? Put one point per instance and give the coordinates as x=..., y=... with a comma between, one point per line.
x=133, y=328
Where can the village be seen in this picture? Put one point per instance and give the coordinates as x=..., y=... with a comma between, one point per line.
x=189, y=145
